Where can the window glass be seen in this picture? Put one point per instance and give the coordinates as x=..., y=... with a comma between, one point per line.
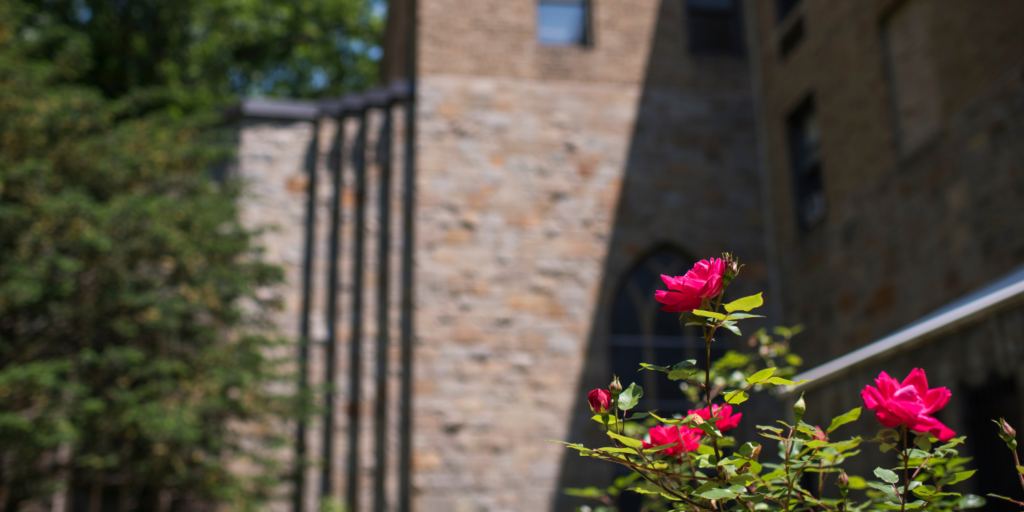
x=642, y=333
x=913, y=80
x=805, y=162
x=783, y=8
x=714, y=27
x=562, y=22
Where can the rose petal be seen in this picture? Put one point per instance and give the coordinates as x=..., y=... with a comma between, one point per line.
x=887, y=419
x=872, y=397
x=673, y=283
x=936, y=399
x=917, y=379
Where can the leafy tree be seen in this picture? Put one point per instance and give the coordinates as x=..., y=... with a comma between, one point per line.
x=212, y=50
x=135, y=364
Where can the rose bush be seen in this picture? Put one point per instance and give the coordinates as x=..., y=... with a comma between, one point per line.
x=687, y=462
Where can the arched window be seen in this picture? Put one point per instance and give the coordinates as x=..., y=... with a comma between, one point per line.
x=642, y=333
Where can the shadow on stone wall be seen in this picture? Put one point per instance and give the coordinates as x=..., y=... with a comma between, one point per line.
x=690, y=181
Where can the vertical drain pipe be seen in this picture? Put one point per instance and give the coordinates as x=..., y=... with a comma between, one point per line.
x=408, y=251
x=383, y=265
x=334, y=249
x=356, y=349
x=307, y=292
x=408, y=209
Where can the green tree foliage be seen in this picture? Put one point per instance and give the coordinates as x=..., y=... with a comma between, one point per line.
x=134, y=362
x=209, y=50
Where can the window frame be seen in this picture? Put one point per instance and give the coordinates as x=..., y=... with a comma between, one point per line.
x=738, y=37
x=806, y=174
x=587, y=36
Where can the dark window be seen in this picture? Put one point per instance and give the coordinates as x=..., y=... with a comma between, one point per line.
x=996, y=398
x=784, y=7
x=715, y=27
x=562, y=22
x=794, y=34
x=805, y=162
x=642, y=333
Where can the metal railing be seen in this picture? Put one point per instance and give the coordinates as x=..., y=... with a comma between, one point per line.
x=356, y=109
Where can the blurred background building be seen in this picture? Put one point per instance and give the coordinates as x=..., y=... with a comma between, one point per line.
x=864, y=159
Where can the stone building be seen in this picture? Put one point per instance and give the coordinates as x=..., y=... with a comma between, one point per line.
x=892, y=134
x=862, y=158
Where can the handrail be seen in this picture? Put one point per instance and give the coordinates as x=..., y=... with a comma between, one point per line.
x=999, y=294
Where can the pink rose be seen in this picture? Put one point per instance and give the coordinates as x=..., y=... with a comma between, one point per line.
x=600, y=401
x=819, y=434
x=910, y=403
x=703, y=281
x=726, y=420
x=684, y=439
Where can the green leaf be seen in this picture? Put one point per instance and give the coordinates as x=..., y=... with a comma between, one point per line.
x=652, y=367
x=718, y=494
x=923, y=442
x=706, y=486
x=612, y=449
x=1020, y=469
x=589, y=492
x=971, y=501
x=640, y=490
x=741, y=316
x=655, y=449
x=628, y=441
x=732, y=327
x=1000, y=497
x=886, y=488
x=630, y=396
x=743, y=480
x=761, y=375
x=924, y=490
x=736, y=397
x=779, y=381
x=839, y=421
x=886, y=475
x=682, y=374
x=857, y=482
x=709, y=314
x=748, y=449
x=745, y=304
x=956, y=477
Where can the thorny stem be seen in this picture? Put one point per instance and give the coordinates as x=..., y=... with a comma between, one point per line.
x=693, y=470
x=906, y=470
x=821, y=478
x=789, y=480
x=708, y=336
x=1019, y=474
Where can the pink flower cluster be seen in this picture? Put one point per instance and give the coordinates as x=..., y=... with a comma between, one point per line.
x=683, y=439
x=685, y=293
x=687, y=439
x=909, y=403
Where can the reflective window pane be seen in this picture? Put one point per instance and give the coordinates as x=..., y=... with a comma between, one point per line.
x=561, y=23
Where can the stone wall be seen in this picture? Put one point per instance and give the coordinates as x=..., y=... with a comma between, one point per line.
x=544, y=175
x=911, y=225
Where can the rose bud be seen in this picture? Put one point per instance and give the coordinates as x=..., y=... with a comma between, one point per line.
x=843, y=482
x=615, y=387
x=799, y=408
x=1006, y=431
x=600, y=401
x=1007, y=434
